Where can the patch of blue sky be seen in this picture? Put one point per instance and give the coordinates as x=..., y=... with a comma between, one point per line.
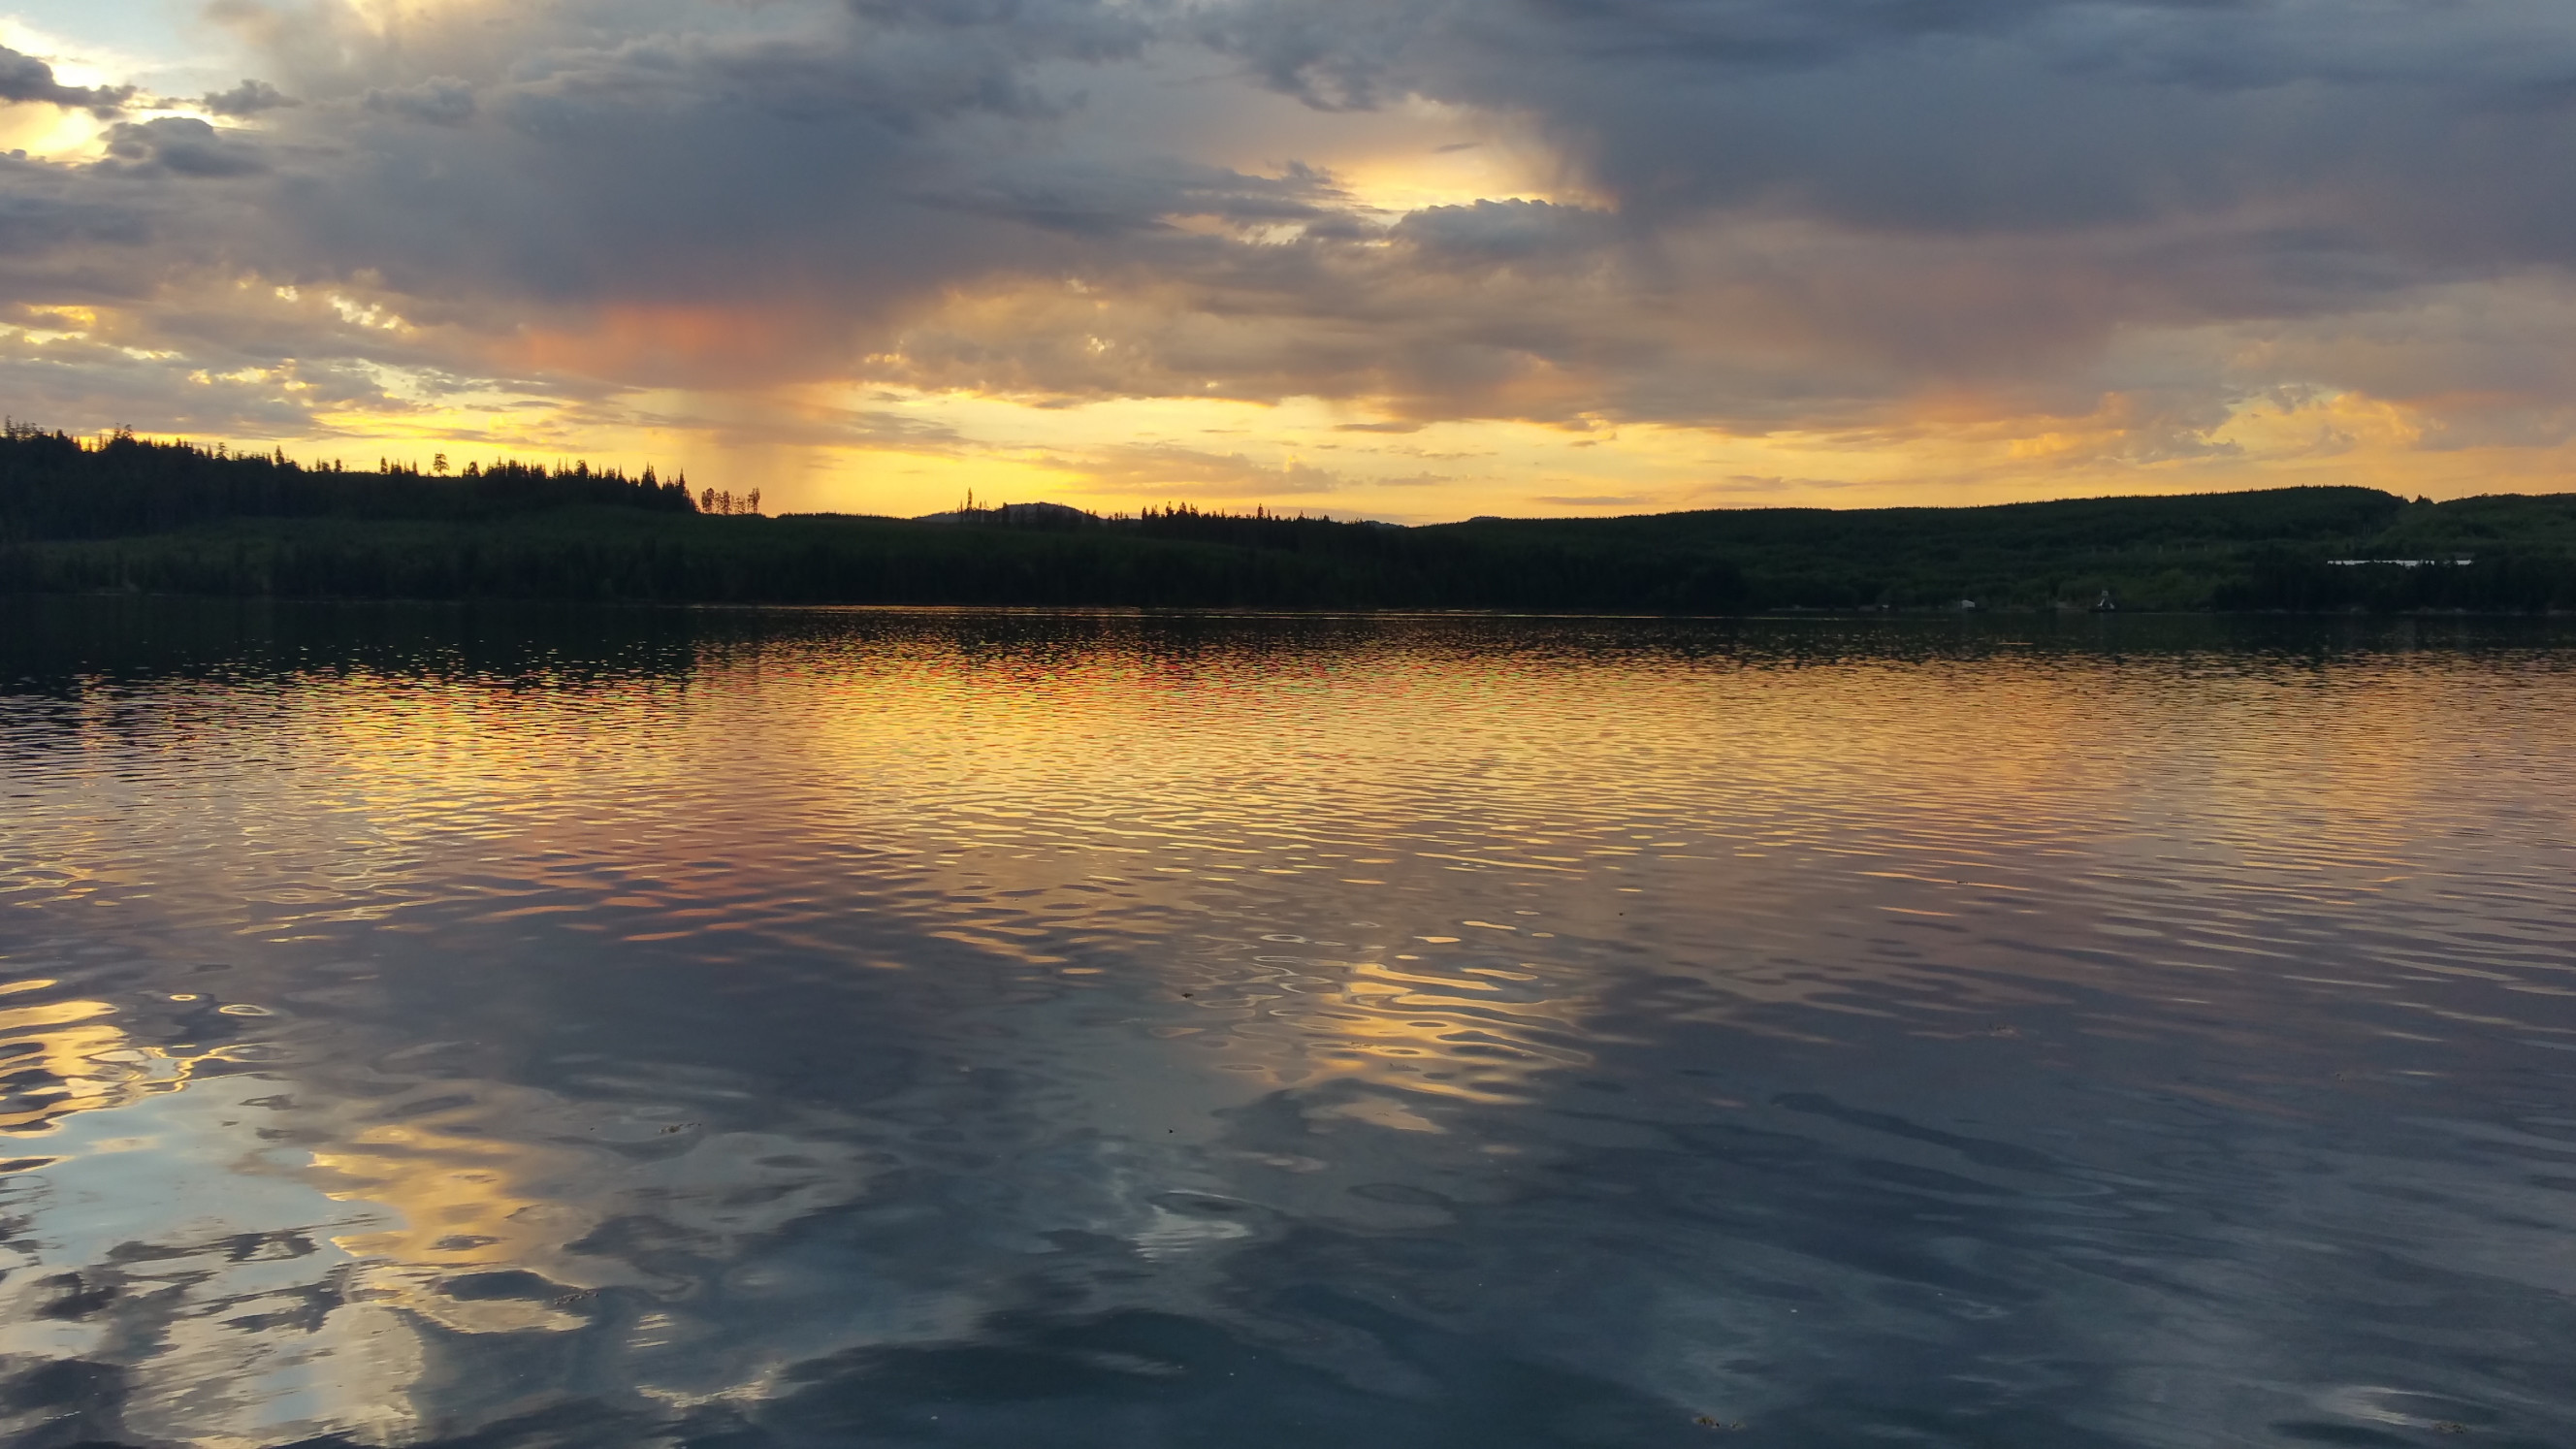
x=162, y=45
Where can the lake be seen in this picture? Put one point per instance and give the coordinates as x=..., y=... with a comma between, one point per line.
x=504, y=1027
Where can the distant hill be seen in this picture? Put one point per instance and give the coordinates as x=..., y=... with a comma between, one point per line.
x=162, y=517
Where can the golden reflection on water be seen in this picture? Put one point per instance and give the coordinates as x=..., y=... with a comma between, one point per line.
x=771, y=788
x=1383, y=884
x=747, y=803
x=465, y=1198
x=68, y=1057
x=206, y=1382
x=512, y=1179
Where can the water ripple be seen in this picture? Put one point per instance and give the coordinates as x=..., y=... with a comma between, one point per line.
x=427, y=1026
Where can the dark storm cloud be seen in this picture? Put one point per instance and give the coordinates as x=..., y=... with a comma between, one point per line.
x=687, y=169
x=245, y=100
x=1104, y=201
x=2430, y=128
x=1522, y=232
x=23, y=78
x=49, y=212
x=1024, y=29
x=1990, y=192
x=442, y=101
x=81, y=236
x=179, y=146
x=1796, y=210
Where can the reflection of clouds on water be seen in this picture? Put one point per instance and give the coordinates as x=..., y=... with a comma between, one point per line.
x=458, y=1201
x=311, y=1241
x=66, y=1056
x=257, y=1258
x=1405, y=1037
x=198, y=1295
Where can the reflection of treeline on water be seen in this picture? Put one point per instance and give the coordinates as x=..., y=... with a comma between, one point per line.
x=126, y=515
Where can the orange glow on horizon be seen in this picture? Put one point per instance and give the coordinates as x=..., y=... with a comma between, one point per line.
x=903, y=450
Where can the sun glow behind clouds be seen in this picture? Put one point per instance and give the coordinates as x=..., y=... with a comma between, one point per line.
x=904, y=454
x=904, y=450
x=1274, y=252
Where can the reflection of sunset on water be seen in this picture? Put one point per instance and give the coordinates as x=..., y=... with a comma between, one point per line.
x=520, y=1178
x=846, y=983
x=66, y=1043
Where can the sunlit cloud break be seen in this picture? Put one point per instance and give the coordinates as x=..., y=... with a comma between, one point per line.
x=1405, y=259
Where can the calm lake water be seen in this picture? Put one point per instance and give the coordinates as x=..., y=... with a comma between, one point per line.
x=820, y=1029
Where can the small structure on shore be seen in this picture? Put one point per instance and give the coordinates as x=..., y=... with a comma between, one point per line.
x=2459, y=561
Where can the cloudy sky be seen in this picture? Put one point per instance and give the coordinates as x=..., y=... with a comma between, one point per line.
x=1408, y=259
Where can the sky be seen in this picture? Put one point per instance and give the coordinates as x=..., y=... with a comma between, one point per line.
x=1400, y=259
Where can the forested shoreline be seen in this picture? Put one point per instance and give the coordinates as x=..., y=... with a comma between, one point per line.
x=125, y=515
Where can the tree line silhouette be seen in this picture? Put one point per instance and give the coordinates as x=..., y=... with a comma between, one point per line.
x=124, y=514
x=56, y=486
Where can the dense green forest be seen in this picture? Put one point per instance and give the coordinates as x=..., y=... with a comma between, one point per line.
x=128, y=515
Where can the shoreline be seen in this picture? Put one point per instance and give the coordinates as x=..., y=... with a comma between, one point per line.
x=1789, y=614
